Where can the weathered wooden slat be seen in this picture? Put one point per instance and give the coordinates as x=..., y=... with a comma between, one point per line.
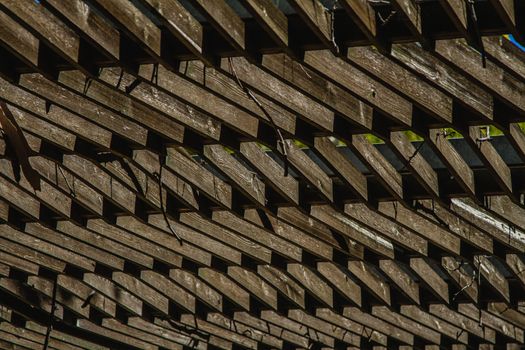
x=461, y=228
x=433, y=322
x=50, y=249
x=495, y=277
x=112, y=332
x=272, y=329
x=373, y=322
x=378, y=164
x=219, y=332
x=248, y=246
x=255, y=285
x=438, y=72
x=98, y=31
x=197, y=287
x=199, y=97
x=133, y=241
x=31, y=338
x=64, y=337
x=85, y=293
x=411, y=11
x=115, y=190
x=198, y=242
x=308, y=168
x=342, y=282
x=506, y=10
x=20, y=40
x=323, y=326
x=107, y=244
x=142, y=291
x=23, y=252
x=424, y=227
x=457, y=165
x=66, y=301
x=428, y=274
x=270, y=86
x=344, y=168
x=270, y=18
x=403, y=81
x=49, y=196
x=229, y=89
x=337, y=254
x=310, y=333
x=315, y=85
x=403, y=322
x=215, y=188
x=517, y=266
x=225, y=21
x=247, y=181
x=81, y=192
x=414, y=161
x=389, y=228
x=110, y=290
x=361, y=85
x=297, y=218
x=71, y=101
x=290, y=233
x=17, y=263
x=169, y=336
x=458, y=53
x=501, y=310
x=165, y=103
x=457, y=12
x=56, y=115
x=492, y=321
x=371, y=279
x=19, y=198
x=495, y=227
x=47, y=27
x=343, y=322
x=364, y=15
x=167, y=240
x=396, y=272
x=271, y=171
x=258, y=234
x=353, y=230
x=227, y=287
x=134, y=23
x=182, y=25
x=318, y=18
x=119, y=102
x=492, y=159
x=283, y=283
x=139, y=333
x=312, y=282
x=466, y=280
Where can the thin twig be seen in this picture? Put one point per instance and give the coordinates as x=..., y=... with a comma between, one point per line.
x=460, y=265
x=384, y=21
x=155, y=74
x=259, y=104
x=52, y=314
x=332, y=27
x=119, y=81
x=162, y=207
x=409, y=160
x=474, y=18
x=71, y=191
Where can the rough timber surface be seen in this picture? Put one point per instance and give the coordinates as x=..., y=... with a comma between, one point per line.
x=242, y=174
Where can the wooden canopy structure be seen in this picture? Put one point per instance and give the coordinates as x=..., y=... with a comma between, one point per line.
x=180, y=174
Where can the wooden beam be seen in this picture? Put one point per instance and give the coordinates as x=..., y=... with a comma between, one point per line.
x=225, y=21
